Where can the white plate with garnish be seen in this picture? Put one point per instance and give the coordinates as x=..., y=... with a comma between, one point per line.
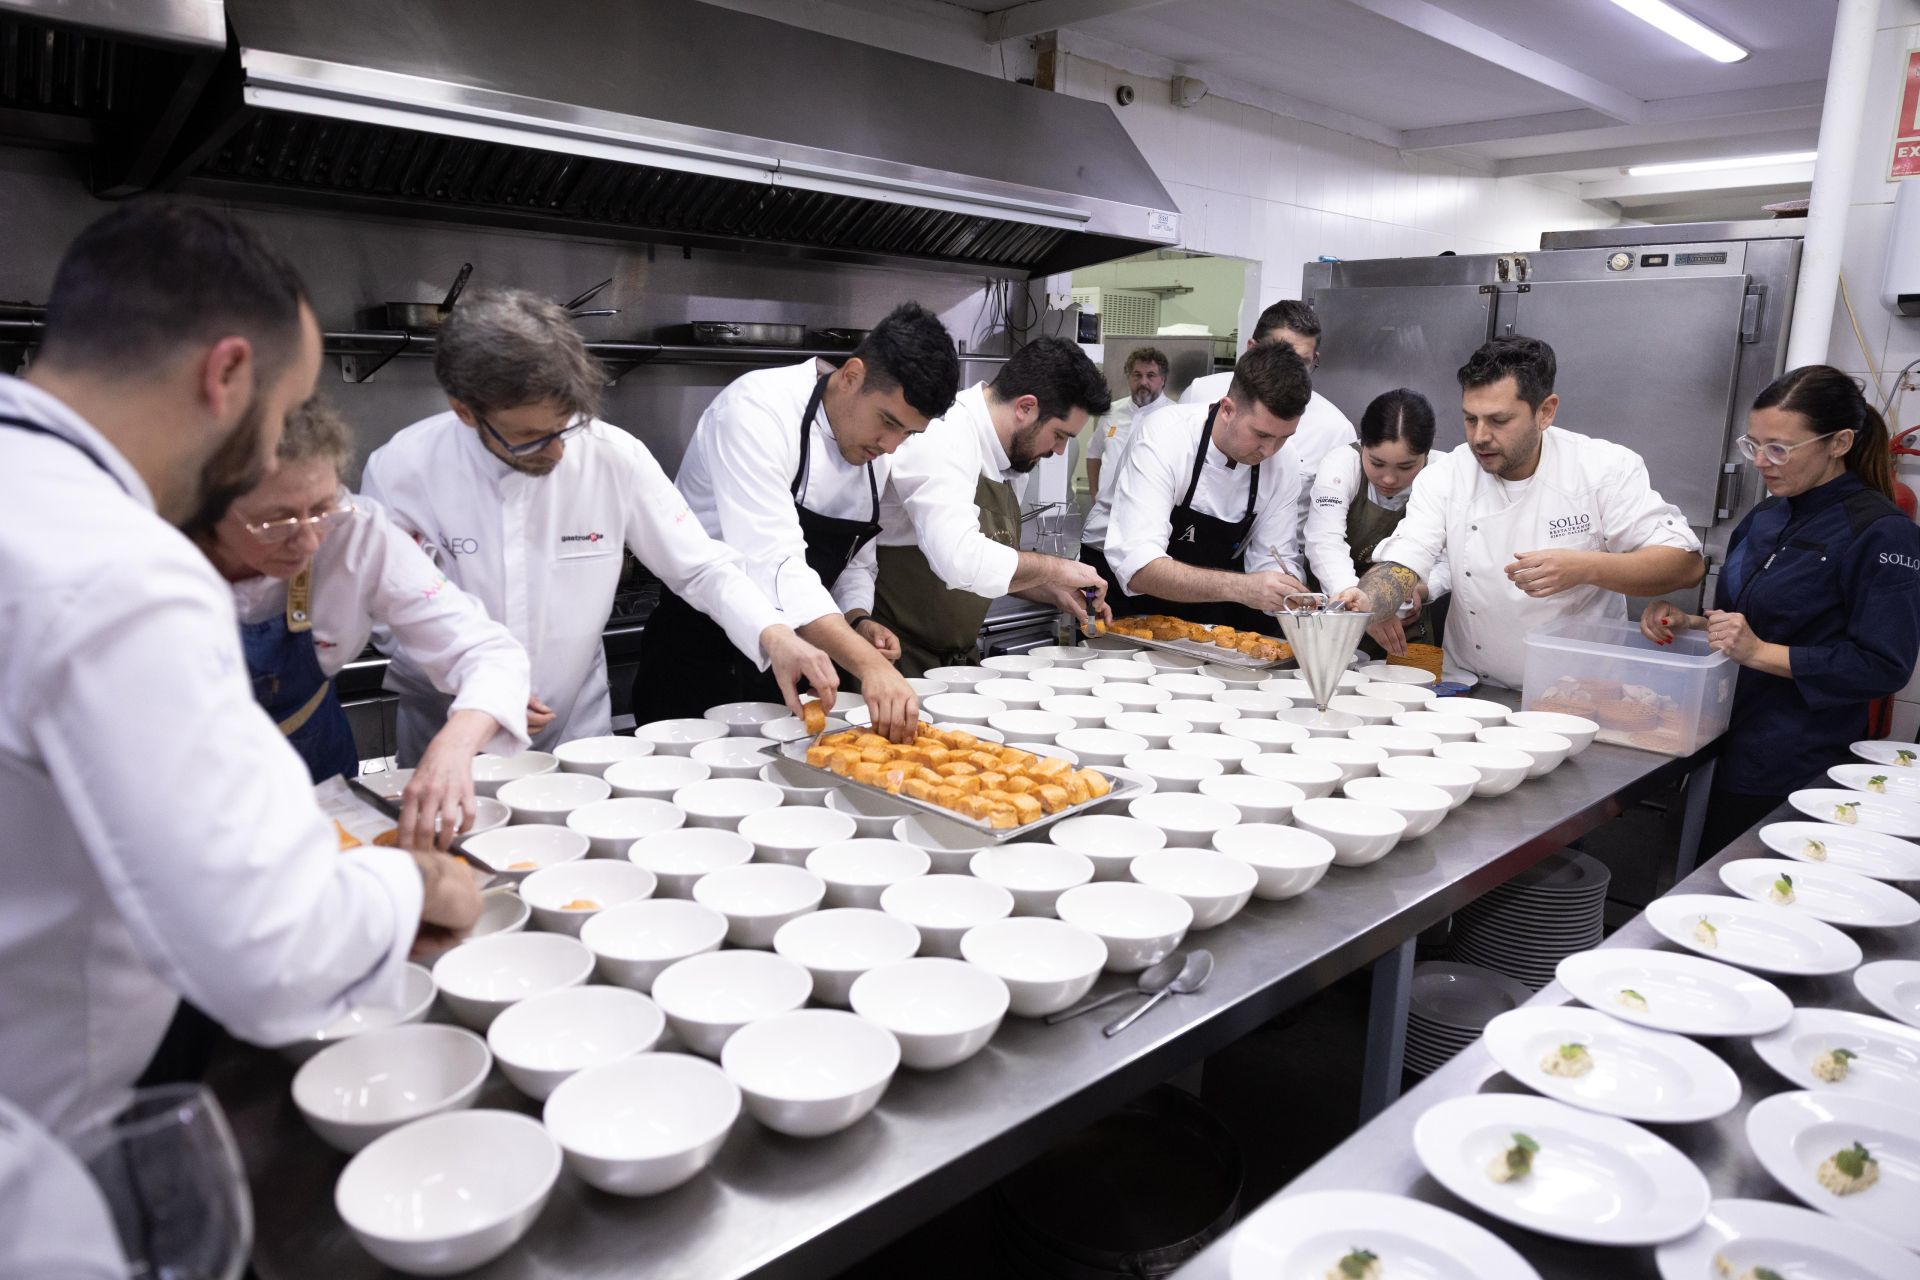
x=1828, y=893
x=1586, y=1059
x=1861, y=809
x=1741, y=1236
x=1879, y=780
x=1588, y=1177
x=1834, y=1052
x=1687, y=994
x=1755, y=935
x=1892, y=987
x=1811, y=1141
x=1318, y=1233
x=1897, y=755
x=1881, y=857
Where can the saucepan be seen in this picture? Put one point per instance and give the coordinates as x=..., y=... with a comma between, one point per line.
x=848, y=338
x=731, y=333
x=417, y=317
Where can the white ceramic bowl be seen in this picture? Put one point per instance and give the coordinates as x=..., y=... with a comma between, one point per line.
x=1501, y=768
x=1124, y=670
x=857, y=872
x=352, y=1092
x=1187, y=820
x=962, y=708
x=1018, y=695
x=734, y=757
x=1214, y=885
x=597, y=755
x=643, y=1124
x=550, y=892
x=1157, y=729
x=949, y=845
x=1392, y=673
x=679, y=858
x=1109, y=841
x=792, y=728
x=1086, y=711
x=1292, y=688
x=1187, y=684
x=1205, y=717
x=611, y=826
x=1411, y=697
x=961, y=679
x=546, y=1038
x=840, y=944
x=1044, y=727
x=944, y=907
x=746, y=719
x=1481, y=709
x=679, y=737
x=1421, y=805
x=1133, y=695
x=478, y=980
x=1547, y=750
x=1394, y=739
x=757, y=899
x=1097, y=747
x=1320, y=724
x=1247, y=678
x=1313, y=778
x=723, y=802
x=709, y=997
x=1034, y=874
x=1161, y=660
x=501, y=911
x=1045, y=964
x=1455, y=779
x=812, y=1072
x=1447, y=728
x=543, y=844
x=448, y=1193
x=1577, y=730
x=1175, y=770
x=656, y=777
x=801, y=786
x=634, y=942
x=925, y=688
x=1356, y=759
x=1139, y=925
x=1015, y=663
x=491, y=772
x=1065, y=679
x=1359, y=833
x=1065, y=655
x=416, y=997
x=1266, y=733
x=1369, y=710
x=942, y=1011
x=874, y=816
x=1228, y=751
x=1258, y=799
x=550, y=797
x=488, y=815
x=788, y=834
x=1254, y=703
x=1127, y=783
x=1287, y=860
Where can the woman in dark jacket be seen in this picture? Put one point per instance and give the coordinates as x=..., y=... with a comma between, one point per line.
x=1818, y=601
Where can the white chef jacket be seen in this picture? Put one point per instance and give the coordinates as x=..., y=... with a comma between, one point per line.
x=54, y=1224
x=161, y=837
x=1111, y=433
x=1322, y=428
x=1154, y=480
x=542, y=554
x=1587, y=495
x=1336, y=487
x=737, y=476
x=928, y=501
x=367, y=572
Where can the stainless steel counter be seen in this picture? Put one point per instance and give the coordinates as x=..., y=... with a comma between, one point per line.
x=1380, y=1156
x=775, y=1206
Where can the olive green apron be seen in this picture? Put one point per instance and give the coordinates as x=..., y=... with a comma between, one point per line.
x=1368, y=525
x=938, y=626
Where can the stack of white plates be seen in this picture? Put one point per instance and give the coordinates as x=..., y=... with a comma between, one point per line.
x=1449, y=1006
x=1531, y=923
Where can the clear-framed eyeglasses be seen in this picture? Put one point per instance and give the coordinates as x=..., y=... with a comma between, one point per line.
x=291, y=527
x=1773, y=453
x=567, y=432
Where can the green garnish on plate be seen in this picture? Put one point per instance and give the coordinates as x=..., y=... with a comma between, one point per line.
x=1846, y=1055
x=1572, y=1051
x=1356, y=1263
x=1767, y=1273
x=1904, y=759
x=1852, y=1161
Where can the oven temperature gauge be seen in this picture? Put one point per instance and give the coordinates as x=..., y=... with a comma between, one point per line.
x=1620, y=261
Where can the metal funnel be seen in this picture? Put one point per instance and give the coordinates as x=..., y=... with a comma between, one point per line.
x=1323, y=633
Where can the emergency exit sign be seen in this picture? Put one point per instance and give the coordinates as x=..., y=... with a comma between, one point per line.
x=1906, y=131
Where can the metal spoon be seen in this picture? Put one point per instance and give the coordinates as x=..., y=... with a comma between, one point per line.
x=1151, y=981
x=1193, y=976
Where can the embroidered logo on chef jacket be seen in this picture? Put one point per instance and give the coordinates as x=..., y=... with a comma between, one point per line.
x=459, y=546
x=1559, y=527
x=1905, y=562
x=581, y=537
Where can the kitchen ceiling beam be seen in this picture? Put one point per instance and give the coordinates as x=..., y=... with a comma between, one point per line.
x=1715, y=148
x=1771, y=175
x=1723, y=105
x=1030, y=19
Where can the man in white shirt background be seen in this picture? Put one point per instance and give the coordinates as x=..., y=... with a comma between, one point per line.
x=528, y=498
x=1539, y=524
x=1146, y=371
x=787, y=467
x=162, y=839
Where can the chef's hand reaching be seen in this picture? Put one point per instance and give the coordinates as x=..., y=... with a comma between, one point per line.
x=1065, y=586
x=437, y=802
x=1659, y=620
x=1268, y=590
x=873, y=633
x=1729, y=633
x=892, y=703
x=793, y=660
x=1390, y=635
x=450, y=903
x=539, y=715
x=1547, y=573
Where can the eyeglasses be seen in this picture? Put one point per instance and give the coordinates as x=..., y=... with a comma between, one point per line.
x=567, y=432
x=1773, y=452
x=292, y=526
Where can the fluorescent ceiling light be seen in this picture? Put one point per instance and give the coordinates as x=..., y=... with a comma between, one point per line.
x=1658, y=13
x=1731, y=162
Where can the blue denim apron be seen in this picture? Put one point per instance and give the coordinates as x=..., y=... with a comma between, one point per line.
x=289, y=684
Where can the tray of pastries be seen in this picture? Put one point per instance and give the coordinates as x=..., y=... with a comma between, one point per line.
x=1252, y=649
x=997, y=790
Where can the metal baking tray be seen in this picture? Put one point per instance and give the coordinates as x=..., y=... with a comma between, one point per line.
x=1123, y=789
x=1209, y=652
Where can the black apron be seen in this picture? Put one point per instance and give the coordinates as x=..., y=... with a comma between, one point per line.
x=692, y=664
x=1210, y=542
x=1368, y=525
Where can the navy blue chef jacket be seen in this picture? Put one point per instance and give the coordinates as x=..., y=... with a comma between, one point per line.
x=1834, y=574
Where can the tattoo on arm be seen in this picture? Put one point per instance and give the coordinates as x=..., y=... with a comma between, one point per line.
x=1389, y=586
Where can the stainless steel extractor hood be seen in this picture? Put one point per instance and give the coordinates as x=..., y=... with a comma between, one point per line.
x=667, y=120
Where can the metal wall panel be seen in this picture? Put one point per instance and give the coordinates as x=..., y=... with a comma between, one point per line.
x=1374, y=339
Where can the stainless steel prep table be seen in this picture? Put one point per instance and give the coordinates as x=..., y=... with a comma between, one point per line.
x=774, y=1206
x=1380, y=1156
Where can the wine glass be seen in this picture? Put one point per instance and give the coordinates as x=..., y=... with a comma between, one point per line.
x=167, y=1166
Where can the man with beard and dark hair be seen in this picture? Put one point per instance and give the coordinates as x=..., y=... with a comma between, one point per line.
x=950, y=517
x=162, y=838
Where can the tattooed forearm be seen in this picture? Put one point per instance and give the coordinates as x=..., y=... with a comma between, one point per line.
x=1389, y=586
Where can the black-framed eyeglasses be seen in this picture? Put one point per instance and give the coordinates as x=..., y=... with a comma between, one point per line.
x=567, y=432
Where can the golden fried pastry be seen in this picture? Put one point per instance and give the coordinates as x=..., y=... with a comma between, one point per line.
x=812, y=717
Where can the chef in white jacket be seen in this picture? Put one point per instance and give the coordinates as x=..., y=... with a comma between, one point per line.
x=528, y=498
x=313, y=571
x=1540, y=524
x=1146, y=373
x=1323, y=428
x=161, y=839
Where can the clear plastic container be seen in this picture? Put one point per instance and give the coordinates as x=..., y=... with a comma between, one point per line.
x=1671, y=699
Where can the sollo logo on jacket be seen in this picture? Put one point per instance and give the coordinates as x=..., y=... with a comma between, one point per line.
x=1569, y=527
x=582, y=537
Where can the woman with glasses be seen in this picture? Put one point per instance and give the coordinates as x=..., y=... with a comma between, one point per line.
x=313, y=571
x=1818, y=601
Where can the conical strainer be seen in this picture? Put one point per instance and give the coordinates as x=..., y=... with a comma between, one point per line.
x=1323, y=633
